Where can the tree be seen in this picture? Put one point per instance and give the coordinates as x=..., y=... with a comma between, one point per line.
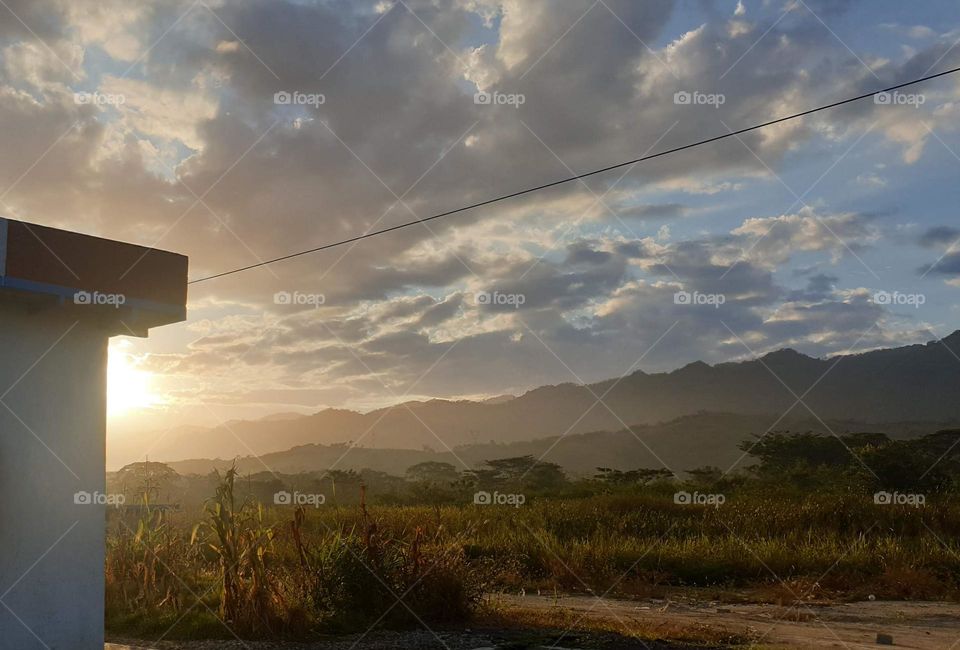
x=147, y=479
x=706, y=475
x=782, y=451
x=927, y=464
x=520, y=472
x=641, y=476
x=432, y=471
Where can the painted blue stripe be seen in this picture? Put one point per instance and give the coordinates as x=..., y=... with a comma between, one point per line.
x=65, y=294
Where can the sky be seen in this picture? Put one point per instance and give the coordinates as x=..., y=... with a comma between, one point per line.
x=235, y=132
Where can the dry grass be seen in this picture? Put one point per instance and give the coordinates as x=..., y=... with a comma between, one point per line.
x=280, y=572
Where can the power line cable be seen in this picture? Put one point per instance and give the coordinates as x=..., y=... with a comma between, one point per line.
x=577, y=177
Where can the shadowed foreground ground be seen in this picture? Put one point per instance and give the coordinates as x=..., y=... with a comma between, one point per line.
x=535, y=622
x=443, y=640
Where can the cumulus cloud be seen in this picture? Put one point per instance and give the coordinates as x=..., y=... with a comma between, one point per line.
x=778, y=237
x=201, y=157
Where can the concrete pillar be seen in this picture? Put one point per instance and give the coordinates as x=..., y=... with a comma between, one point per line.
x=53, y=370
x=52, y=424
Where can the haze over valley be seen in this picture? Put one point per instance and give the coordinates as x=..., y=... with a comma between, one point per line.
x=692, y=416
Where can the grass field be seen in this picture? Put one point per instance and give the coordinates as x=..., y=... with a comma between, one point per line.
x=291, y=572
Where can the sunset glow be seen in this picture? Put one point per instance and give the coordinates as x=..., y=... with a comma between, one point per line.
x=128, y=387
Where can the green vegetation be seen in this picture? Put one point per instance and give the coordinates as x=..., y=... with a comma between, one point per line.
x=803, y=523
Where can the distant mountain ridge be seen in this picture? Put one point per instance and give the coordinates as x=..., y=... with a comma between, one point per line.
x=680, y=445
x=915, y=383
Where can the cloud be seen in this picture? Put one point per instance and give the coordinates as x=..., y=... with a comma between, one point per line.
x=399, y=137
x=114, y=25
x=819, y=287
x=949, y=264
x=654, y=211
x=939, y=236
x=46, y=19
x=776, y=238
x=162, y=113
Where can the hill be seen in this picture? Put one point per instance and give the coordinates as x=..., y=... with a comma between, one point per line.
x=681, y=444
x=915, y=383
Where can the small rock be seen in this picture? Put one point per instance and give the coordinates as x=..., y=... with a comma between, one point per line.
x=884, y=639
x=871, y=597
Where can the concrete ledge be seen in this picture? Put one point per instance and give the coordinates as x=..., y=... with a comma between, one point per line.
x=128, y=288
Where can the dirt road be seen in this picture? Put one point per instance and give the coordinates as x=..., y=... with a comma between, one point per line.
x=599, y=623
x=933, y=626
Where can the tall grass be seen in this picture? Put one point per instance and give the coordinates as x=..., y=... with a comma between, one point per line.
x=284, y=571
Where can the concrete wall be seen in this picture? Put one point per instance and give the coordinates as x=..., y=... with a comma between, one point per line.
x=51, y=549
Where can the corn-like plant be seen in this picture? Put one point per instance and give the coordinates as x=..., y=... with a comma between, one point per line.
x=249, y=596
x=149, y=563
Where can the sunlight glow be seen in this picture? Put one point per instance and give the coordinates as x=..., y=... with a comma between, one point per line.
x=128, y=387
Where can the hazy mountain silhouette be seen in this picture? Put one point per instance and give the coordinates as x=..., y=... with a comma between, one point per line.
x=915, y=383
x=682, y=444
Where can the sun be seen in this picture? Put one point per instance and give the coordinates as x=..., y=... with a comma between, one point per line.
x=128, y=386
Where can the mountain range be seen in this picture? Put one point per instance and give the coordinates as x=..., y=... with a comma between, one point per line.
x=871, y=390
x=680, y=445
